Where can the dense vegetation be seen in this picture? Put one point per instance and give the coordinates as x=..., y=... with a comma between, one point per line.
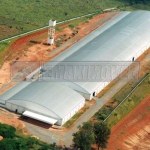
x=7, y=131
x=12, y=141
x=90, y=134
x=17, y=17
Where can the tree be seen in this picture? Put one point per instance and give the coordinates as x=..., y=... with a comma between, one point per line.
x=84, y=138
x=7, y=144
x=30, y=141
x=101, y=132
x=130, y=2
x=7, y=131
x=53, y=146
x=21, y=144
x=44, y=147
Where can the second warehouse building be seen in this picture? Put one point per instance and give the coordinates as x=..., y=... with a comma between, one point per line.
x=123, y=38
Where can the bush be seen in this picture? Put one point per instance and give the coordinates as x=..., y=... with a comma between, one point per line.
x=103, y=113
x=89, y=17
x=31, y=141
x=149, y=80
x=71, y=26
x=13, y=144
x=21, y=144
x=7, y=131
x=7, y=144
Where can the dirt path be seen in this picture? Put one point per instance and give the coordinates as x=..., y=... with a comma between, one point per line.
x=30, y=47
x=9, y=118
x=85, y=30
x=133, y=132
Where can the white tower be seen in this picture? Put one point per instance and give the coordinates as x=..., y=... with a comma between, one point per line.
x=51, y=31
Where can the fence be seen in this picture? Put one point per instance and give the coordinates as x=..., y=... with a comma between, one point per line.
x=110, y=9
x=126, y=97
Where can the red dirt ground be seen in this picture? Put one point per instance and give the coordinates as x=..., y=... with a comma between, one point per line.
x=29, y=48
x=1, y=138
x=133, y=132
x=12, y=121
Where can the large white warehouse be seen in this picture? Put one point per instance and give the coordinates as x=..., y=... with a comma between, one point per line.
x=123, y=38
x=49, y=102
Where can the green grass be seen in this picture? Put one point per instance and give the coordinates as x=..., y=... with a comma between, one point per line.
x=71, y=26
x=59, y=29
x=4, y=45
x=123, y=91
x=137, y=7
x=38, y=13
x=74, y=118
x=3, y=49
x=26, y=15
x=130, y=103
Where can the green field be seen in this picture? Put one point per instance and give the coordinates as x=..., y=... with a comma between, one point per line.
x=130, y=103
x=24, y=15
x=3, y=50
x=75, y=117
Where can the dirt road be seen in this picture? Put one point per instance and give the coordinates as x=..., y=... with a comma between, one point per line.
x=133, y=132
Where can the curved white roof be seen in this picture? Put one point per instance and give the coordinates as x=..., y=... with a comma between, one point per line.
x=117, y=40
x=47, y=98
x=12, y=91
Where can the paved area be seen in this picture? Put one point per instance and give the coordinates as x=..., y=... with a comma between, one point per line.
x=65, y=138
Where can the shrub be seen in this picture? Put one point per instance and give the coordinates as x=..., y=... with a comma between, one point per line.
x=7, y=131
x=149, y=80
x=71, y=26
x=8, y=144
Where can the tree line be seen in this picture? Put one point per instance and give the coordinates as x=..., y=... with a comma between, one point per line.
x=90, y=134
x=12, y=141
x=131, y=2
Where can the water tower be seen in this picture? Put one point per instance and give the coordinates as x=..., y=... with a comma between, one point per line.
x=51, y=31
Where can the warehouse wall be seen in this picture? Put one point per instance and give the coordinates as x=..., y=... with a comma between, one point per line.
x=71, y=113
x=142, y=50
x=2, y=102
x=18, y=109
x=15, y=108
x=104, y=84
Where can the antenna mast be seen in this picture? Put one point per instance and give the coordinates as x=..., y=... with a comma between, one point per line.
x=51, y=31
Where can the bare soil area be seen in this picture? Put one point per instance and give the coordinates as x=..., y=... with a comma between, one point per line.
x=33, y=47
x=9, y=118
x=133, y=132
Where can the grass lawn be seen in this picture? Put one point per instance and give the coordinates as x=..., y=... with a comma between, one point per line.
x=130, y=103
x=71, y=24
x=139, y=6
x=3, y=49
x=18, y=17
x=75, y=117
